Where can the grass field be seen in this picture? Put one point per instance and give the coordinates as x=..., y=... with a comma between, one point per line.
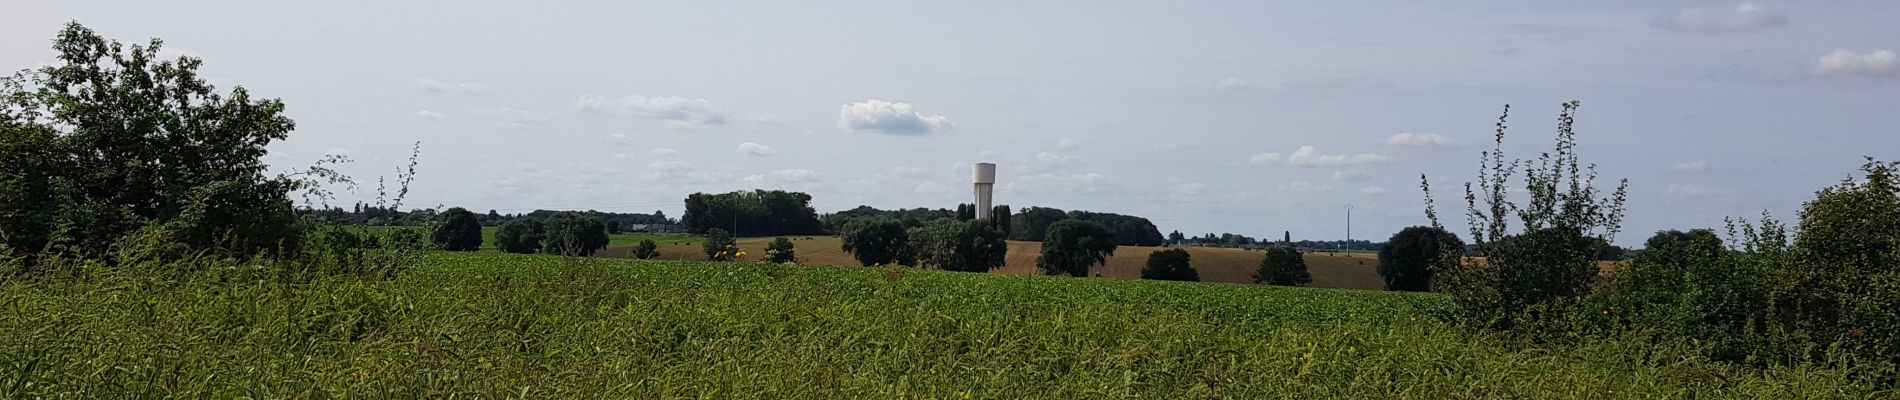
x=532, y=326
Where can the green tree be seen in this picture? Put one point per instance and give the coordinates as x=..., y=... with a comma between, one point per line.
x=1283, y=266
x=646, y=250
x=781, y=251
x=876, y=240
x=112, y=141
x=1072, y=246
x=1032, y=224
x=1170, y=265
x=520, y=236
x=933, y=244
x=719, y=245
x=980, y=246
x=999, y=217
x=574, y=235
x=459, y=231
x=1411, y=256
x=1176, y=237
x=966, y=212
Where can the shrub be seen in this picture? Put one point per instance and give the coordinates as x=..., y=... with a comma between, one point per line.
x=1565, y=219
x=520, y=236
x=573, y=235
x=876, y=240
x=646, y=250
x=719, y=245
x=1170, y=265
x=1072, y=246
x=1411, y=256
x=781, y=251
x=933, y=244
x=459, y=231
x=1283, y=266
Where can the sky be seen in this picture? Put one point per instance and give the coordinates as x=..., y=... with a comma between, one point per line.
x=1203, y=116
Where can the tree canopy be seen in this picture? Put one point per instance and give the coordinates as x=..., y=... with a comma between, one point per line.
x=1170, y=265
x=459, y=231
x=754, y=213
x=1411, y=256
x=1072, y=246
x=1283, y=266
x=875, y=240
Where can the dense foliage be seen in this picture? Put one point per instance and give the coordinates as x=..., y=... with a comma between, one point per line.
x=1072, y=246
x=1283, y=266
x=754, y=213
x=875, y=240
x=1411, y=256
x=459, y=231
x=573, y=234
x=1170, y=265
x=910, y=218
x=519, y=236
x=112, y=141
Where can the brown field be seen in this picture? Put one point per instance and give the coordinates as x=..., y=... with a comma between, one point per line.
x=1330, y=270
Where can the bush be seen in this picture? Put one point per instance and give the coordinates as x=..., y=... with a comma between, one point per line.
x=1170, y=265
x=1072, y=246
x=1545, y=268
x=573, y=235
x=1283, y=266
x=933, y=244
x=719, y=245
x=1411, y=256
x=646, y=250
x=781, y=251
x=875, y=241
x=459, y=231
x=520, y=236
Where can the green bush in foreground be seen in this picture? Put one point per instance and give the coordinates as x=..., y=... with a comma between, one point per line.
x=781, y=251
x=1283, y=266
x=495, y=325
x=646, y=249
x=1170, y=265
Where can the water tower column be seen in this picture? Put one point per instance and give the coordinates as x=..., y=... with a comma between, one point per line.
x=985, y=179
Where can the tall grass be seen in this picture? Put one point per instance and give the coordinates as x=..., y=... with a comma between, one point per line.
x=498, y=325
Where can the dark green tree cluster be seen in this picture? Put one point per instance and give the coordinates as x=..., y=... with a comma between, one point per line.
x=875, y=240
x=522, y=236
x=1170, y=265
x=754, y=213
x=1283, y=266
x=112, y=141
x=573, y=235
x=999, y=218
x=1072, y=246
x=1411, y=256
x=910, y=218
x=459, y=231
x=1032, y=224
x=970, y=246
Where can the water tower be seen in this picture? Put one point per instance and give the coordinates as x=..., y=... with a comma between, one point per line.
x=985, y=179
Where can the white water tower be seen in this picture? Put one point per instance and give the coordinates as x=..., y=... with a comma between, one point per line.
x=985, y=179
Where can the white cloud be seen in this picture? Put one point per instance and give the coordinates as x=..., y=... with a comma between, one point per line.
x=664, y=153
x=1061, y=184
x=1351, y=175
x=1692, y=190
x=621, y=139
x=1373, y=190
x=782, y=177
x=1691, y=167
x=1304, y=187
x=1742, y=18
x=431, y=115
x=910, y=173
x=669, y=166
x=1067, y=144
x=679, y=112
x=435, y=86
x=889, y=117
x=931, y=188
x=1873, y=64
x=1309, y=157
x=757, y=149
x=1232, y=84
x=519, y=118
x=765, y=118
x=1419, y=140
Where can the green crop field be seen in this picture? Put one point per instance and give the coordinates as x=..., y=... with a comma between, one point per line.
x=488, y=325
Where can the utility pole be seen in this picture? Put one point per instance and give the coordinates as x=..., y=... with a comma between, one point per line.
x=1348, y=224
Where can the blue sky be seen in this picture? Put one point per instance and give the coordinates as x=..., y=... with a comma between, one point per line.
x=1246, y=117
